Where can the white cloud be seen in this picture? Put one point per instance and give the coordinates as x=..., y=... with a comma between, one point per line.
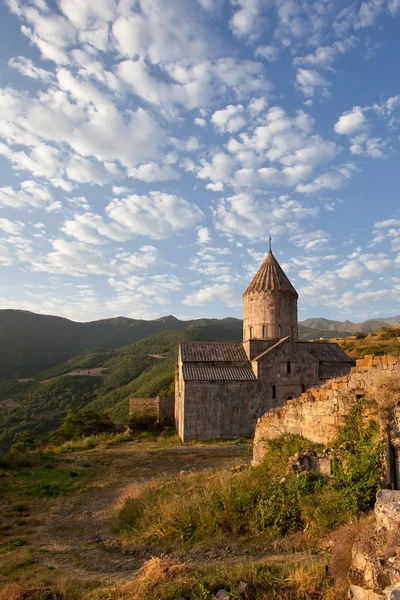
x=229, y=119
x=267, y=52
x=157, y=215
x=26, y=67
x=352, y=270
x=5, y=256
x=11, y=227
x=246, y=17
x=31, y=195
x=309, y=81
x=351, y=122
x=219, y=292
x=203, y=235
x=153, y=172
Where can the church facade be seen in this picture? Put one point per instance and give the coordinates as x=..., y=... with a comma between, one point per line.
x=222, y=388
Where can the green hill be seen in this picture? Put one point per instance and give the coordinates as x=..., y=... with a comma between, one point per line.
x=31, y=343
x=144, y=369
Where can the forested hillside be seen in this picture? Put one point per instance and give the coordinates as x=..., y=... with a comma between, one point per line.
x=142, y=369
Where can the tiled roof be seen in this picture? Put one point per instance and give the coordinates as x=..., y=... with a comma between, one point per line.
x=271, y=278
x=327, y=352
x=213, y=352
x=212, y=373
x=328, y=371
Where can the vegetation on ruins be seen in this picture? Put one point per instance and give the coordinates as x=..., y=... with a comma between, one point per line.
x=265, y=498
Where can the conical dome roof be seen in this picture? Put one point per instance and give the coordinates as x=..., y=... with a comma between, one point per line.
x=270, y=278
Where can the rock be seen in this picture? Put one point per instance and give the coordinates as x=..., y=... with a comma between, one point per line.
x=392, y=592
x=242, y=587
x=374, y=572
x=387, y=509
x=222, y=595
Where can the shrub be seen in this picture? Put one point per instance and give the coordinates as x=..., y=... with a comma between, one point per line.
x=23, y=441
x=358, y=466
x=361, y=336
x=82, y=423
x=142, y=421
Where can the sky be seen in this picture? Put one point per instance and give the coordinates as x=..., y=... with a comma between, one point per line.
x=149, y=148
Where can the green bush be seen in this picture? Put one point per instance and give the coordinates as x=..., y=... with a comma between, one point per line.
x=23, y=441
x=142, y=421
x=361, y=336
x=80, y=424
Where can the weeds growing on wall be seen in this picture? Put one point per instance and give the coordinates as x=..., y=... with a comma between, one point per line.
x=358, y=466
x=267, y=498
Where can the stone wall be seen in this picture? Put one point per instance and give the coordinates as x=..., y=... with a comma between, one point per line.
x=162, y=406
x=141, y=405
x=219, y=409
x=275, y=311
x=166, y=411
x=375, y=566
x=319, y=412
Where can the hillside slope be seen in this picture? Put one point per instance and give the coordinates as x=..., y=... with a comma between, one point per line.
x=142, y=369
x=31, y=343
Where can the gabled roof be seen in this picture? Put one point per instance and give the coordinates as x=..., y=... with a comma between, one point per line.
x=217, y=373
x=270, y=277
x=327, y=352
x=271, y=348
x=213, y=352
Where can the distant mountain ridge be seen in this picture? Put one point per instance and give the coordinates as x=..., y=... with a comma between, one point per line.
x=349, y=327
x=31, y=343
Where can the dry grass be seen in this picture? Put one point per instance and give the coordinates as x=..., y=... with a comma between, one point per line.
x=343, y=540
x=387, y=394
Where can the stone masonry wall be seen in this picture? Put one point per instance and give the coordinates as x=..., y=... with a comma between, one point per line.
x=319, y=412
x=141, y=405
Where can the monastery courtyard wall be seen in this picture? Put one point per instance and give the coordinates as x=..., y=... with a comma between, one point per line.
x=317, y=414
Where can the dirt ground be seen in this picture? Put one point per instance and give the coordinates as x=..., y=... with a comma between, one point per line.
x=74, y=533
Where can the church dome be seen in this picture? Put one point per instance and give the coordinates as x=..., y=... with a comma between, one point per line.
x=270, y=278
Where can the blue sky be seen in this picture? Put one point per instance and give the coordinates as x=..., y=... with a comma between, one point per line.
x=149, y=148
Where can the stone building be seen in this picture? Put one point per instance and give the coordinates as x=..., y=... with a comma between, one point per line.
x=221, y=389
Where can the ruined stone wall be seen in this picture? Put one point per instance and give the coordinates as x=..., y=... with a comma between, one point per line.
x=318, y=413
x=272, y=311
x=166, y=410
x=141, y=405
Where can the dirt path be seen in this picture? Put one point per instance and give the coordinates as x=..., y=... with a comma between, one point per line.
x=77, y=534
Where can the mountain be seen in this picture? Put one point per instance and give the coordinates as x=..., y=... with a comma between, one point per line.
x=347, y=326
x=143, y=369
x=31, y=343
x=321, y=323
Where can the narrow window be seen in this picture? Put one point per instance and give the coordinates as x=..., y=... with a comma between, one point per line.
x=251, y=333
x=303, y=388
x=264, y=331
x=274, y=392
x=279, y=331
x=291, y=332
x=288, y=367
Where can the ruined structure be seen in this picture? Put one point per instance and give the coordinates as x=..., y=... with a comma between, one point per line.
x=318, y=413
x=161, y=407
x=221, y=389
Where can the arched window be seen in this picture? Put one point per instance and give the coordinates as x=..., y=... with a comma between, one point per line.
x=279, y=331
x=264, y=334
x=303, y=388
x=288, y=367
x=251, y=333
x=274, y=392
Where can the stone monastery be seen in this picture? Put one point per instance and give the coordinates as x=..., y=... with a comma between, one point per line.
x=221, y=389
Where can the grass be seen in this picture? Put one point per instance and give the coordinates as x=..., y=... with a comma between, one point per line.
x=383, y=342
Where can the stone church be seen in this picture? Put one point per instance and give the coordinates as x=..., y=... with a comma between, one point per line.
x=222, y=388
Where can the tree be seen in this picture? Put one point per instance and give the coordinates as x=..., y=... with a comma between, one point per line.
x=23, y=441
x=82, y=423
